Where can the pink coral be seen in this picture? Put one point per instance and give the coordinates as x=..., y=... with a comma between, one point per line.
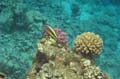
x=61, y=36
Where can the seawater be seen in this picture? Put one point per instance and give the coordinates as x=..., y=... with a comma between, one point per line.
x=21, y=29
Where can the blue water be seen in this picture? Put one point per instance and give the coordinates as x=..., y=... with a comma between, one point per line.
x=21, y=29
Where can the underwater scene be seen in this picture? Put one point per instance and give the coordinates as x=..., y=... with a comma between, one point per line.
x=59, y=39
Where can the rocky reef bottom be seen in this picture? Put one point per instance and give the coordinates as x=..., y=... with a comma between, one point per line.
x=55, y=61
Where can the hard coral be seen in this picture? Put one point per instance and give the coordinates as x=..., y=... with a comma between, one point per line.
x=54, y=62
x=61, y=36
x=62, y=64
x=88, y=43
x=91, y=71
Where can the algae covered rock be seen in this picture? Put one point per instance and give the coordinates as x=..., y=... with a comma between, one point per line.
x=61, y=62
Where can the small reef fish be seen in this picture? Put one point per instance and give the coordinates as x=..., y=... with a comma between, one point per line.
x=50, y=32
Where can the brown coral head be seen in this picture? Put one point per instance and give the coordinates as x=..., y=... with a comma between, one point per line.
x=88, y=43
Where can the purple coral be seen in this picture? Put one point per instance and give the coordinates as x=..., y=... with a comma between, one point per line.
x=61, y=36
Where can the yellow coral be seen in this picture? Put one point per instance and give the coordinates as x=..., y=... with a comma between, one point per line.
x=88, y=43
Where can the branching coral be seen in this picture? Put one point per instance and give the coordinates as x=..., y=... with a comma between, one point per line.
x=88, y=43
x=61, y=36
x=91, y=71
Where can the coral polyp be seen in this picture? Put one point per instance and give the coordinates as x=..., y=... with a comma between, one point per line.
x=88, y=43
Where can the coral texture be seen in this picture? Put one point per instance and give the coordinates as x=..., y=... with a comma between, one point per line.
x=88, y=43
x=21, y=27
x=61, y=36
x=55, y=34
x=63, y=65
x=54, y=62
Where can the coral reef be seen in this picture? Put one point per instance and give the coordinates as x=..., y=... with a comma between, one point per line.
x=54, y=62
x=20, y=30
x=88, y=43
x=57, y=35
